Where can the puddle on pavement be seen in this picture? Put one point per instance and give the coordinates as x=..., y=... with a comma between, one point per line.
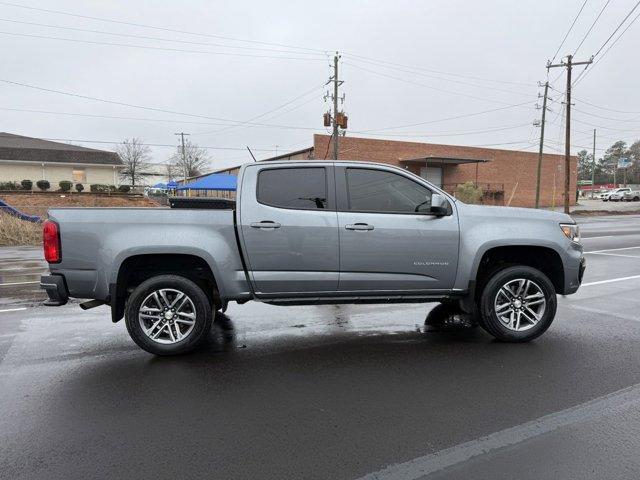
x=19, y=277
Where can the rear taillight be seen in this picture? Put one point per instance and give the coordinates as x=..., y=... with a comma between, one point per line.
x=51, y=242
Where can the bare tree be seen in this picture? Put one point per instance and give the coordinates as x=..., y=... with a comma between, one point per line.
x=135, y=156
x=189, y=163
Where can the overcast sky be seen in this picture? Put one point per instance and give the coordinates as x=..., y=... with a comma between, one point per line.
x=446, y=59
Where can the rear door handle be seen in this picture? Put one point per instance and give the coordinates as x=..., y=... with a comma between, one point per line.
x=359, y=226
x=265, y=224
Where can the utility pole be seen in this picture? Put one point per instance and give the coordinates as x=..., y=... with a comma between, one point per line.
x=569, y=63
x=544, y=111
x=593, y=165
x=336, y=119
x=184, y=158
x=335, y=106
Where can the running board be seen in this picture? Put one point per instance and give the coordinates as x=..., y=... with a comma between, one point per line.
x=355, y=300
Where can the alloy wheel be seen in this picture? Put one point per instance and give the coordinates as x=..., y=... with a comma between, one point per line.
x=520, y=304
x=167, y=316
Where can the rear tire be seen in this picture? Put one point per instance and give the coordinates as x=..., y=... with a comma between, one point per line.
x=168, y=315
x=517, y=304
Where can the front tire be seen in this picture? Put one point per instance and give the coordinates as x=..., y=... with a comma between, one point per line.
x=168, y=315
x=517, y=304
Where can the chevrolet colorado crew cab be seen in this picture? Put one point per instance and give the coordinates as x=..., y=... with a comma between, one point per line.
x=312, y=232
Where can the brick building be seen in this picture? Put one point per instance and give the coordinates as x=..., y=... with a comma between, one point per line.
x=507, y=177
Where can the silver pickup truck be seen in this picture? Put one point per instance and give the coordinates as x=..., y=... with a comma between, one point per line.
x=312, y=232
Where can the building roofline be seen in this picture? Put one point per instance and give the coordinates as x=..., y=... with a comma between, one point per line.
x=287, y=154
x=444, y=145
x=443, y=159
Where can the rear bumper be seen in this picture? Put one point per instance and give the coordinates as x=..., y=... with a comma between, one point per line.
x=56, y=290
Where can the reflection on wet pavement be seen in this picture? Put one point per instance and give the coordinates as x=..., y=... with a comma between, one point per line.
x=20, y=271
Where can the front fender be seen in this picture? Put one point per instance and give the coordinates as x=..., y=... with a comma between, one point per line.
x=478, y=237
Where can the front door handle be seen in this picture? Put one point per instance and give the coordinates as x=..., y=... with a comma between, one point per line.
x=265, y=224
x=359, y=226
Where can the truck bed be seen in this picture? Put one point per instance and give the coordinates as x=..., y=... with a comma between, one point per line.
x=95, y=241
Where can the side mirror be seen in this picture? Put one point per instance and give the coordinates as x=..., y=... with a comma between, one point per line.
x=439, y=206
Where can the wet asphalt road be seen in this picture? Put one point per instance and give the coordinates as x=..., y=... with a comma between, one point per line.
x=332, y=392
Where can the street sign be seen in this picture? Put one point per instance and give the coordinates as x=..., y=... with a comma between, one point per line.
x=585, y=182
x=624, y=162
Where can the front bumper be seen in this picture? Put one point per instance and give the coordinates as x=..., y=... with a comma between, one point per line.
x=56, y=289
x=574, y=275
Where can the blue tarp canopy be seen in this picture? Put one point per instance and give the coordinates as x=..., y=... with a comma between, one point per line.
x=172, y=184
x=215, y=181
x=160, y=185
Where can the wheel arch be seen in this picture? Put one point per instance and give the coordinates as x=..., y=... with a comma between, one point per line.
x=543, y=258
x=136, y=268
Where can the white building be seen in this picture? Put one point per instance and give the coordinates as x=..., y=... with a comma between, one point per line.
x=27, y=158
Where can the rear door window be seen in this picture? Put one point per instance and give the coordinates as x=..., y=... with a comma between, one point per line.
x=303, y=188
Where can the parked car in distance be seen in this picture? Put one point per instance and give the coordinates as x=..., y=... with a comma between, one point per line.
x=615, y=195
x=632, y=196
x=308, y=233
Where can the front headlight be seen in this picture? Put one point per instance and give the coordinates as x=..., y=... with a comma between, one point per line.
x=571, y=231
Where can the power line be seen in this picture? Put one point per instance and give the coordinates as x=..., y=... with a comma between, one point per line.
x=146, y=37
x=113, y=117
x=440, y=72
x=438, y=89
x=446, y=119
x=609, y=128
x=231, y=123
x=617, y=28
x=133, y=24
x=446, y=134
x=630, y=112
x=584, y=73
x=165, y=49
x=461, y=82
x=161, y=120
x=606, y=118
x=606, y=108
x=591, y=27
x=247, y=122
x=146, y=144
x=142, y=107
x=568, y=31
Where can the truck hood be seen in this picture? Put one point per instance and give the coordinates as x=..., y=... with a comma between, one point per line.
x=512, y=212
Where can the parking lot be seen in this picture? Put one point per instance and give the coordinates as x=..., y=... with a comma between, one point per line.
x=340, y=392
x=587, y=204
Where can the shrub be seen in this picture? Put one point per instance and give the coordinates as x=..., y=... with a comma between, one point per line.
x=79, y=187
x=468, y=193
x=26, y=184
x=124, y=188
x=112, y=188
x=99, y=188
x=14, y=231
x=65, y=185
x=9, y=186
x=43, y=185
